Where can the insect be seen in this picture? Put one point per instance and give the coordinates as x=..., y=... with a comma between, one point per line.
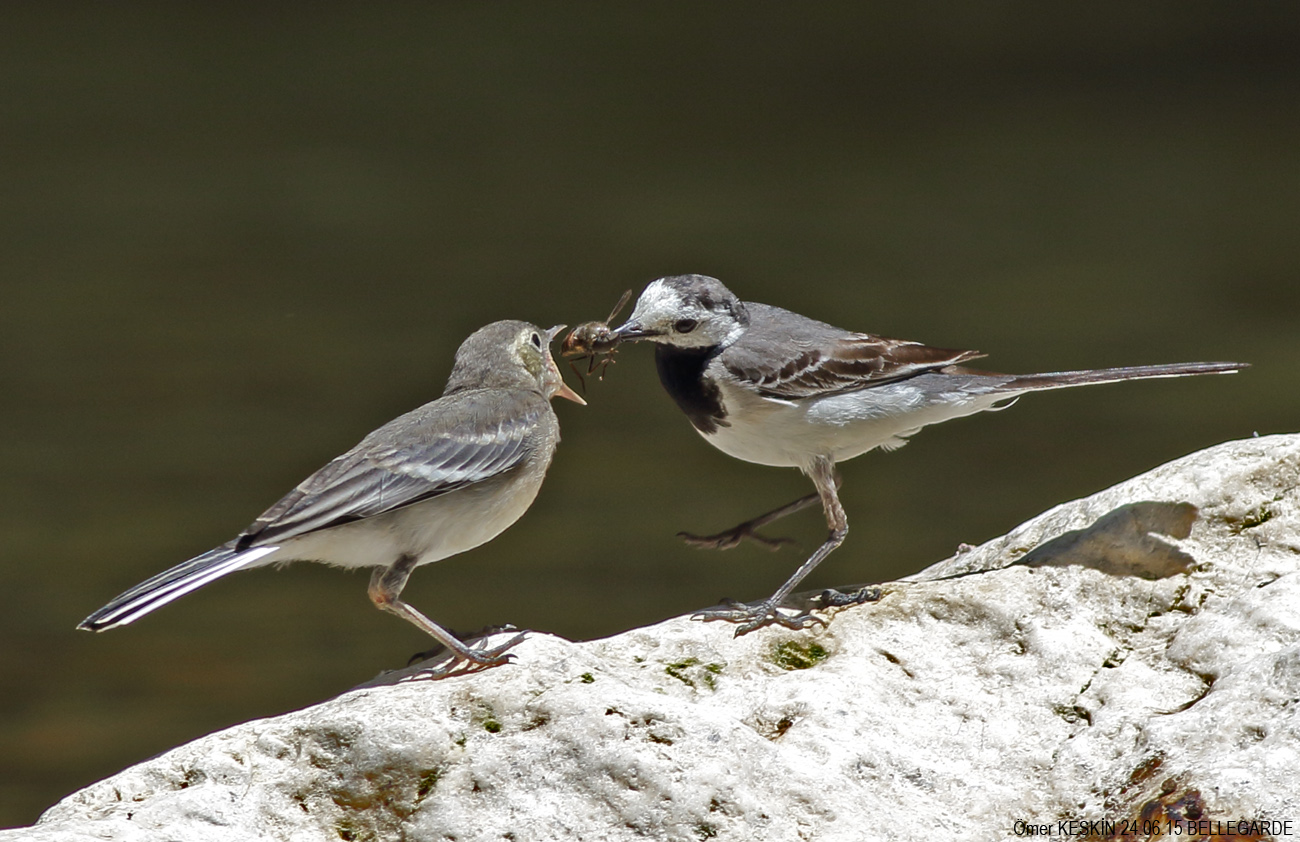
x=595, y=342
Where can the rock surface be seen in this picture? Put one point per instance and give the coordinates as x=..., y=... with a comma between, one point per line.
x=1134, y=655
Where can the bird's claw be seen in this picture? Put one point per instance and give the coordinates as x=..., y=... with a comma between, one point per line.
x=751, y=617
x=474, y=660
x=732, y=538
x=497, y=654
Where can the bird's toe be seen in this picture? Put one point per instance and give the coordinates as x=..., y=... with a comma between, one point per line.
x=733, y=538
x=752, y=617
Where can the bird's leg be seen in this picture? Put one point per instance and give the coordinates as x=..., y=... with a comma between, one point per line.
x=732, y=537
x=386, y=585
x=767, y=612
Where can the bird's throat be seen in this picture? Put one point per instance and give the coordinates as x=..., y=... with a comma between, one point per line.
x=682, y=371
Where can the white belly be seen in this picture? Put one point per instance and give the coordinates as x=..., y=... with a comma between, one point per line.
x=792, y=434
x=432, y=530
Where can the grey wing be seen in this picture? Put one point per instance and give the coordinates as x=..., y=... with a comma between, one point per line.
x=438, y=448
x=402, y=463
x=817, y=359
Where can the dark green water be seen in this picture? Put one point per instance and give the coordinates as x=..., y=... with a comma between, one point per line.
x=235, y=239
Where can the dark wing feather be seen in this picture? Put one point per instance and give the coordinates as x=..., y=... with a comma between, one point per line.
x=819, y=359
x=438, y=448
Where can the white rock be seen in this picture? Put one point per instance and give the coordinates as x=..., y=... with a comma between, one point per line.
x=1119, y=658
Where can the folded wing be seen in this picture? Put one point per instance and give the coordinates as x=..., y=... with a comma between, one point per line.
x=449, y=444
x=821, y=360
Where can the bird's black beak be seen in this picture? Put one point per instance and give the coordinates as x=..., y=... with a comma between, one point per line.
x=631, y=332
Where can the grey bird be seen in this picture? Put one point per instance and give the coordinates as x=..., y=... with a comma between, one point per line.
x=773, y=387
x=437, y=481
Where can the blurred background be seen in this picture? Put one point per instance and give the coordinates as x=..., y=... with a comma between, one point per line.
x=237, y=237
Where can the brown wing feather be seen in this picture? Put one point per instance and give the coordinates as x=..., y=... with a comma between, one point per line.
x=854, y=361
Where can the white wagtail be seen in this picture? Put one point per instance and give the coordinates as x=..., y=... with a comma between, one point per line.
x=435, y=482
x=773, y=387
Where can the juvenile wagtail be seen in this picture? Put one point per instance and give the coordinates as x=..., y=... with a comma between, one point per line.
x=773, y=387
x=435, y=482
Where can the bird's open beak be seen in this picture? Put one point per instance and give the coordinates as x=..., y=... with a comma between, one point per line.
x=563, y=391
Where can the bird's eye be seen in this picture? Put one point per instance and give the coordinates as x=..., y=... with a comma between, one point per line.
x=537, y=341
x=685, y=325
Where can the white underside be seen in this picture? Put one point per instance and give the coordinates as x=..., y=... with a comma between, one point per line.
x=440, y=527
x=792, y=434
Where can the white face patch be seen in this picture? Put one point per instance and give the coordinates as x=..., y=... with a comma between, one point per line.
x=657, y=303
x=664, y=309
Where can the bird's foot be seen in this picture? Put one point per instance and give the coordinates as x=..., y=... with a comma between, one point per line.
x=467, y=659
x=751, y=617
x=732, y=538
x=496, y=655
x=831, y=598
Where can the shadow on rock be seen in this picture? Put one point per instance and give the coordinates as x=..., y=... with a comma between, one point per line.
x=1131, y=540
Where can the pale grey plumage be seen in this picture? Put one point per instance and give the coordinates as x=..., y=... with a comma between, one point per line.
x=770, y=386
x=434, y=482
